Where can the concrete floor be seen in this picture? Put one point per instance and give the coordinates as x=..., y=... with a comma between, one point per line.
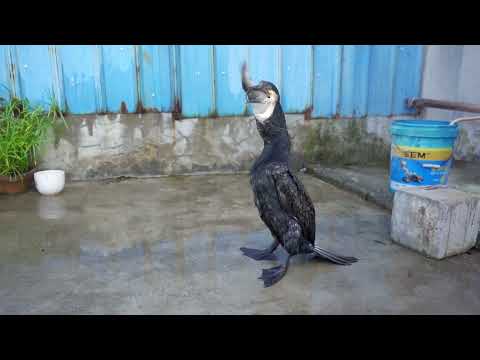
x=171, y=246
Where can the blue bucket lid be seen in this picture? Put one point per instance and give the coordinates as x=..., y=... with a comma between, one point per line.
x=424, y=128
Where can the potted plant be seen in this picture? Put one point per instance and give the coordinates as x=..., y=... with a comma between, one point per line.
x=22, y=132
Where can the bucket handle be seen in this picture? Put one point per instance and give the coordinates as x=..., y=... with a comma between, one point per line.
x=457, y=120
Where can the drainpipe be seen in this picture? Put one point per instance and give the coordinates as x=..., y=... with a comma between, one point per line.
x=420, y=103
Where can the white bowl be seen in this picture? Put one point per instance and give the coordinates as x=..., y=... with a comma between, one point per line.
x=49, y=182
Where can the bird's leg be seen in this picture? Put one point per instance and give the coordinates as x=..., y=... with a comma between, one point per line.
x=275, y=274
x=266, y=254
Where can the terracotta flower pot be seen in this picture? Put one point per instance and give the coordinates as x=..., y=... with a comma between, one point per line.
x=16, y=185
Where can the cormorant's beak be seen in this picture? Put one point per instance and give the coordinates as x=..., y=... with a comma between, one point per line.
x=256, y=95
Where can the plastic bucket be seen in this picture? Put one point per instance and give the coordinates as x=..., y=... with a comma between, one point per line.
x=421, y=153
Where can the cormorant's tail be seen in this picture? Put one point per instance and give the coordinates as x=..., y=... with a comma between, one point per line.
x=333, y=257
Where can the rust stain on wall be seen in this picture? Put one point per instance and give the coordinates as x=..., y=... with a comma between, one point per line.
x=177, y=109
x=308, y=113
x=139, y=108
x=123, y=108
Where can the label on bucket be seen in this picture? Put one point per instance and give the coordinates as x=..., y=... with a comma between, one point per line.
x=419, y=167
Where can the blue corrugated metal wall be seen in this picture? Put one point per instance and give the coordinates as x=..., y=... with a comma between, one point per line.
x=329, y=80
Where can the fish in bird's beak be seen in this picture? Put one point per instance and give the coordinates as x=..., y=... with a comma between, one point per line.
x=256, y=94
x=246, y=82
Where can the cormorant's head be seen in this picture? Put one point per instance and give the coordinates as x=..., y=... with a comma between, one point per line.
x=262, y=97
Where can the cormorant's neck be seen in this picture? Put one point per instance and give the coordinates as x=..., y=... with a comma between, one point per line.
x=276, y=139
x=274, y=127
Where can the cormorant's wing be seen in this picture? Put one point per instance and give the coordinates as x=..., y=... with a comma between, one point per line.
x=294, y=199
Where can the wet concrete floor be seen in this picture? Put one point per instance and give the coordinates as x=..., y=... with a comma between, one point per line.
x=171, y=246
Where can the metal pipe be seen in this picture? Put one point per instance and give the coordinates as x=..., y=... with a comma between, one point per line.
x=441, y=104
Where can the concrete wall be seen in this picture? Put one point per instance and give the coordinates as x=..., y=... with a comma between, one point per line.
x=452, y=72
x=104, y=146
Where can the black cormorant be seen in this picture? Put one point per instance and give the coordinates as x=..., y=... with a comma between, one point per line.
x=281, y=199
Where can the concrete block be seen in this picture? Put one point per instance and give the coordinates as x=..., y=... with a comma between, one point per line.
x=437, y=223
